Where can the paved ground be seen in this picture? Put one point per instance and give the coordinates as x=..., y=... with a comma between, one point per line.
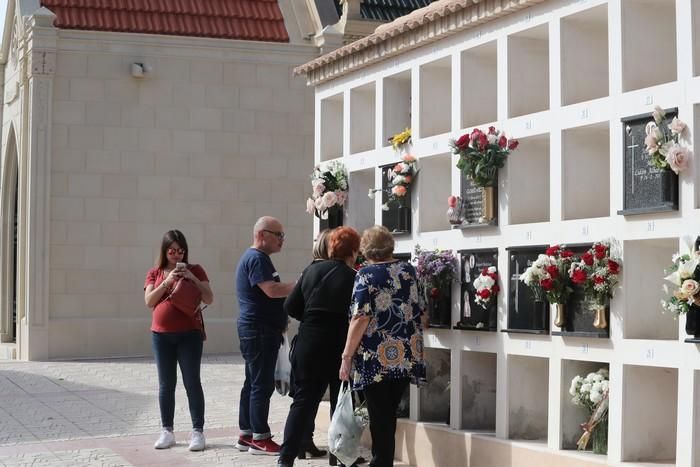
x=105, y=413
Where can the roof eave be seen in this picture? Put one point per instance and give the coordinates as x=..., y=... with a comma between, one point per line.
x=436, y=21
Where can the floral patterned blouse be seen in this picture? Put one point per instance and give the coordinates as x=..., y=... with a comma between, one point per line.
x=392, y=345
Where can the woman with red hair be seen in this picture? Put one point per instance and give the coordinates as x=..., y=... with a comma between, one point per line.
x=320, y=301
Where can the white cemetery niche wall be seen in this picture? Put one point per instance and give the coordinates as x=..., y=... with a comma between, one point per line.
x=434, y=187
x=648, y=25
x=435, y=395
x=642, y=314
x=478, y=391
x=360, y=208
x=649, y=409
x=696, y=36
x=584, y=56
x=435, y=98
x=528, y=397
x=585, y=153
x=479, y=85
x=362, y=118
x=559, y=77
x=332, y=127
x=528, y=71
x=527, y=182
x=397, y=105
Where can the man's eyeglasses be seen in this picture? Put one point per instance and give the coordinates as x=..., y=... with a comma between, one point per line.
x=176, y=251
x=279, y=235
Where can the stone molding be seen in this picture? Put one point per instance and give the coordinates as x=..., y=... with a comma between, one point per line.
x=434, y=22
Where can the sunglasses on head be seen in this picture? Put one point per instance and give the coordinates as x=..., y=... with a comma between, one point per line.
x=176, y=251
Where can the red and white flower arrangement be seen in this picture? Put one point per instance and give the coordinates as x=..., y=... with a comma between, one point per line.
x=482, y=154
x=597, y=271
x=486, y=287
x=548, y=276
x=400, y=177
x=663, y=142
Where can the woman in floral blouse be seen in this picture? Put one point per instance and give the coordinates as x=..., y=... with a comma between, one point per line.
x=384, y=346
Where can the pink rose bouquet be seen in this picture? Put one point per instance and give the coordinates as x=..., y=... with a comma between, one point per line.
x=329, y=185
x=662, y=142
x=401, y=176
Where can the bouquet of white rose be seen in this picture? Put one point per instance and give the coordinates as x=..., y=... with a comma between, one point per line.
x=591, y=392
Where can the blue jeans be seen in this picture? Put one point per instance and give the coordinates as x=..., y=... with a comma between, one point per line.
x=259, y=348
x=185, y=348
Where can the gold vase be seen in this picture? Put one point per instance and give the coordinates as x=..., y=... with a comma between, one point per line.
x=487, y=202
x=600, y=321
x=559, y=311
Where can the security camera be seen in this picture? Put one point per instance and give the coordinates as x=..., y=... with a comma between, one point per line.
x=140, y=70
x=137, y=70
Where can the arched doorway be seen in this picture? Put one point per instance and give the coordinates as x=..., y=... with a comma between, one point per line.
x=9, y=241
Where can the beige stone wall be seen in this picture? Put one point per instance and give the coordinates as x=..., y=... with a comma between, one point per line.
x=217, y=135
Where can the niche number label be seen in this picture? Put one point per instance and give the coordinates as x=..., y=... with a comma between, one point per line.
x=650, y=354
x=528, y=345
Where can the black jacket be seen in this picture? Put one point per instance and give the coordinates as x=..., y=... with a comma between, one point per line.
x=324, y=315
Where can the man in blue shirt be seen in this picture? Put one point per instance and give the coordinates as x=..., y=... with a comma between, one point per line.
x=261, y=323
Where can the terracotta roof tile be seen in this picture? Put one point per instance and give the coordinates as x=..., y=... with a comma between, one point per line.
x=257, y=20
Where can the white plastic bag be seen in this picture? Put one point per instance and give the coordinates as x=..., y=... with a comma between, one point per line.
x=345, y=430
x=283, y=368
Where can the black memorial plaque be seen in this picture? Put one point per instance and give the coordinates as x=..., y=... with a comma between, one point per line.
x=579, y=313
x=524, y=313
x=473, y=203
x=334, y=219
x=646, y=188
x=398, y=218
x=472, y=315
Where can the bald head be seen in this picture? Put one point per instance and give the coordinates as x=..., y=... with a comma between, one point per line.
x=265, y=223
x=268, y=235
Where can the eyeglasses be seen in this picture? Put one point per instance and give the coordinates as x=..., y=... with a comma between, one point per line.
x=176, y=251
x=279, y=235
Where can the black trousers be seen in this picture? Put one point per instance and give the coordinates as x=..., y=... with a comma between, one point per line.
x=382, y=400
x=299, y=426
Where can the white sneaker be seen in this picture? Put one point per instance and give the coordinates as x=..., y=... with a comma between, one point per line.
x=197, y=441
x=166, y=440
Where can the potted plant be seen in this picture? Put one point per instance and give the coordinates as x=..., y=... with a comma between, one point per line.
x=481, y=154
x=684, y=274
x=436, y=269
x=663, y=142
x=548, y=277
x=329, y=184
x=591, y=393
x=597, y=272
x=400, y=178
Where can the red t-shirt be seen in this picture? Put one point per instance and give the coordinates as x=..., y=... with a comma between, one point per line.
x=167, y=318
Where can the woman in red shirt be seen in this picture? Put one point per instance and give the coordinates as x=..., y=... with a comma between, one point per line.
x=177, y=336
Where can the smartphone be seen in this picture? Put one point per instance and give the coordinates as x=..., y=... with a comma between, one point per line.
x=180, y=265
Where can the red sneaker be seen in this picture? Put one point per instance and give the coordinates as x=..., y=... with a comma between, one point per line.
x=264, y=447
x=244, y=442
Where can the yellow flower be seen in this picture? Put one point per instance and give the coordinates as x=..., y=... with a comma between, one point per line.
x=378, y=378
x=400, y=139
